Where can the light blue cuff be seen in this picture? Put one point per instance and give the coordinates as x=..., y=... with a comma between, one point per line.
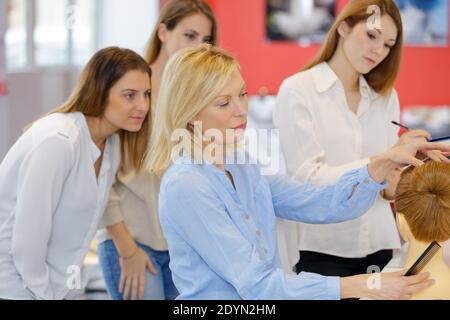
x=333, y=288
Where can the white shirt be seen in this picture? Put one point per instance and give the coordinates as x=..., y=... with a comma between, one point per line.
x=321, y=139
x=50, y=206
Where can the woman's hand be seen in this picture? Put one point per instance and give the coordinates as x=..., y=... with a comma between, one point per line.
x=384, y=286
x=132, y=275
x=395, y=286
x=437, y=156
x=400, y=156
x=422, y=136
x=413, y=136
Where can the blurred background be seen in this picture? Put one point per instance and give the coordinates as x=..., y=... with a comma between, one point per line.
x=45, y=43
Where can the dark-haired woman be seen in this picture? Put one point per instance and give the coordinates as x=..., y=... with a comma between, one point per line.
x=55, y=180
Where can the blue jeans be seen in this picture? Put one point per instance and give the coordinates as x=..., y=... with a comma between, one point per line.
x=158, y=287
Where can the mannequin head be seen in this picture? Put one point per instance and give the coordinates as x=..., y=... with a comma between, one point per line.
x=423, y=203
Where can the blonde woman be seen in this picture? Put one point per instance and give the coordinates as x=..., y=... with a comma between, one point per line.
x=133, y=252
x=219, y=217
x=333, y=116
x=55, y=180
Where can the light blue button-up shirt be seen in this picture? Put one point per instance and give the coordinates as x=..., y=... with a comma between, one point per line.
x=222, y=240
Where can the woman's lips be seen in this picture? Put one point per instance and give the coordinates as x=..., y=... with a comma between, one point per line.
x=242, y=127
x=138, y=118
x=370, y=61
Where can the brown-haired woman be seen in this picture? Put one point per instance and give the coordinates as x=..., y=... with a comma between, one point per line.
x=133, y=251
x=55, y=180
x=422, y=200
x=339, y=110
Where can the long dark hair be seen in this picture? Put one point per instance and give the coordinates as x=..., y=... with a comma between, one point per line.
x=91, y=93
x=381, y=78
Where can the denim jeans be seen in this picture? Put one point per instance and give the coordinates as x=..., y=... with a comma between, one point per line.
x=158, y=287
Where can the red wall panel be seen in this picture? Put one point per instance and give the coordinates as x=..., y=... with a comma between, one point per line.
x=424, y=76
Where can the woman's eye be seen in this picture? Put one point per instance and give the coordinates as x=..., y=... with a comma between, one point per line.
x=224, y=104
x=371, y=36
x=388, y=46
x=147, y=94
x=130, y=96
x=190, y=36
x=244, y=94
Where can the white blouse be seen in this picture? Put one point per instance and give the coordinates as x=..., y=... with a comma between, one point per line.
x=321, y=139
x=51, y=203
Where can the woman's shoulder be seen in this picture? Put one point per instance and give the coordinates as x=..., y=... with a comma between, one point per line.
x=66, y=126
x=302, y=78
x=301, y=82
x=183, y=173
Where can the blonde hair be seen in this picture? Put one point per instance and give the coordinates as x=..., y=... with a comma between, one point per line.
x=192, y=79
x=91, y=94
x=423, y=197
x=171, y=14
x=381, y=78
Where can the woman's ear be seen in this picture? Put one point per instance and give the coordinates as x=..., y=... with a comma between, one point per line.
x=162, y=32
x=343, y=29
x=403, y=227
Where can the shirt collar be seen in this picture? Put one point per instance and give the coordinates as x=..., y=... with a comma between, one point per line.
x=366, y=90
x=324, y=78
x=95, y=151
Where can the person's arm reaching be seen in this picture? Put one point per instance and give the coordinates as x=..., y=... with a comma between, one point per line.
x=198, y=215
x=133, y=260
x=351, y=196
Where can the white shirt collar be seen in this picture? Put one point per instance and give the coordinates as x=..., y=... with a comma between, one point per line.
x=324, y=78
x=95, y=151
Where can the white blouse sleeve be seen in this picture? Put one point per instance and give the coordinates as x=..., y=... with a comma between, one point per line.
x=305, y=157
x=41, y=179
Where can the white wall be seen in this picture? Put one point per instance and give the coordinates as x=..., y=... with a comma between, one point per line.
x=34, y=92
x=3, y=100
x=126, y=23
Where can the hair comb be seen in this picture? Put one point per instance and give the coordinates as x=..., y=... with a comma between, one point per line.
x=424, y=258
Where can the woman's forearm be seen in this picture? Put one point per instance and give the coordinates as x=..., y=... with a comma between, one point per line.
x=122, y=238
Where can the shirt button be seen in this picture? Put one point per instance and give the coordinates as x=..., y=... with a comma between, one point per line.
x=366, y=181
x=258, y=233
x=243, y=293
x=265, y=251
x=247, y=216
